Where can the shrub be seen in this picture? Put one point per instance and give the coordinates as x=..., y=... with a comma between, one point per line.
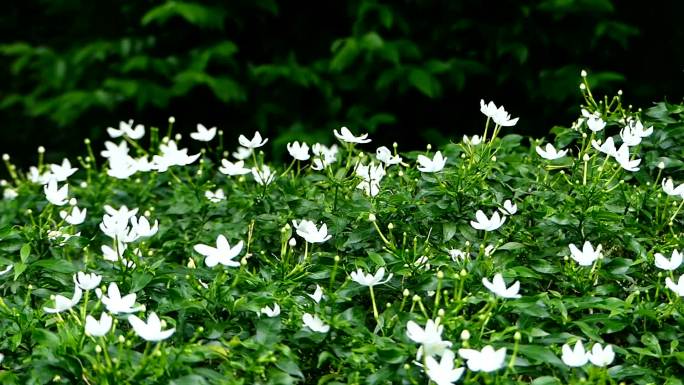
x=351, y=267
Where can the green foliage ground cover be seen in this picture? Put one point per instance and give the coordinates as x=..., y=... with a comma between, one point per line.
x=416, y=220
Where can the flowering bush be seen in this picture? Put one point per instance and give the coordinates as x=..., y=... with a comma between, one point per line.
x=488, y=261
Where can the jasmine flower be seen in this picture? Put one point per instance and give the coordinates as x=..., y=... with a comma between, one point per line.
x=314, y=323
x=150, y=330
x=203, y=134
x=486, y=360
x=87, y=281
x=443, y=372
x=274, y=312
x=232, y=169
x=487, y=224
x=668, y=264
x=550, y=153
x=587, y=256
x=600, y=356
x=114, y=302
x=430, y=338
x=498, y=287
x=222, y=253
x=299, y=151
x=368, y=279
x=435, y=164
x=253, y=143
x=56, y=196
x=63, y=303
x=307, y=230
x=99, y=328
x=347, y=136
x=574, y=357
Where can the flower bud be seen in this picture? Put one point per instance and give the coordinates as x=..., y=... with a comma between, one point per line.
x=178, y=137
x=585, y=157
x=440, y=312
x=390, y=226
x=493, y=158
x=41, y=149
x=337, y=258
x=415, y=298
x=463, y=272
x=619, y=92
x=122, y=339
x=517, y=336
x=661, y=165
x=406, y=293
x=292, y=242
x=429, y=147
x=465, y=335
x=583, y=74
x=172, y=120
x=582, y=87
x=5, y=157
x=98, y=349
x=73, y=202
x=440, y=274
x=191, y=264
x=84, y=184
x=371, y=217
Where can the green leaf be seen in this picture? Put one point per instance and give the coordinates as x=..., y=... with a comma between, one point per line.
x=424, y=82
x=196, y=14
x=24, y=252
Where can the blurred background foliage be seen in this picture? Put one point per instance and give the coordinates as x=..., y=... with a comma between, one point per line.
x=411, y=71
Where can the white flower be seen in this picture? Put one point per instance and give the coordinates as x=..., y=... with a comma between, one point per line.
x=150, y=330
x=368, y=279
x=232, y=169
x=122, y=167
x=299, y=151
x=550, y=152
x=347, y=136
x=622, y=157
x=503, y=118
x=384, y=155
x=669, y=189
x=114, y=150
x=115, y=224
x=498, y=287
x=271, y=312
x=222, y=253
x=87, y=281
x=9, y=194
x=114, y=302
x=595, y=123
x=486, y=360
x=371, y=175
x=36, y=177
x=63, y=303
x=668, y=264
x=487, y=224
x=456, y=254
x=608, y=147
x=63, y=171
x=430, y=338
x=76, y=217
x=488, y=109
x=600, y=356
x=255, y=142
x=264, y=176
x=215, y=197
x=242, y=153
x=587, y=256
x=474, y=141
x=6, y=270
x=678, y=288
x=56, y=196
x=435, y=164
x=99, y=328
x=629, y=137
x=324, y=156
x=574, y=357
x=142, y=164
x=314, y=323
x=443, y=372
x=307, y=230
x=203, y=134
x=317, y=295
x=142, y=227
x=638, y=129
x=172, y=156
x=127, y=129
x=509, y=208
x=110, y=254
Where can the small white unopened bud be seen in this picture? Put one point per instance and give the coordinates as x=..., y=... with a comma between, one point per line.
x=661, y=165
x=429, y=147
x=98, y=349
x=84, y=184
x=172, y=120
x=582, y=87
x=583, y=73
x=122, y=339
x=371, y=217
x=178, y=137
x=5, y=157
x=494, y=158
x=585, y=157
x=465, y=335
x=517, y=336
x=440, y=313
x=337, y=258
x=73, y=202
x=406, y=293
x=292, y=242
x=390, y=226
x=41, y=150
x=619, y=92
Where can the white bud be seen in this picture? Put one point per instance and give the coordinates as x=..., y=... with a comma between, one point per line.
x=585, y=157
x=178, y=137
x=5, y=157
x=371, y=217
x=661, y=165
x=41, y=150
x=582, y=86
x=583, y=73
x=465, y=335
x=292, y=242
x=172, y=120
x=73, y=202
